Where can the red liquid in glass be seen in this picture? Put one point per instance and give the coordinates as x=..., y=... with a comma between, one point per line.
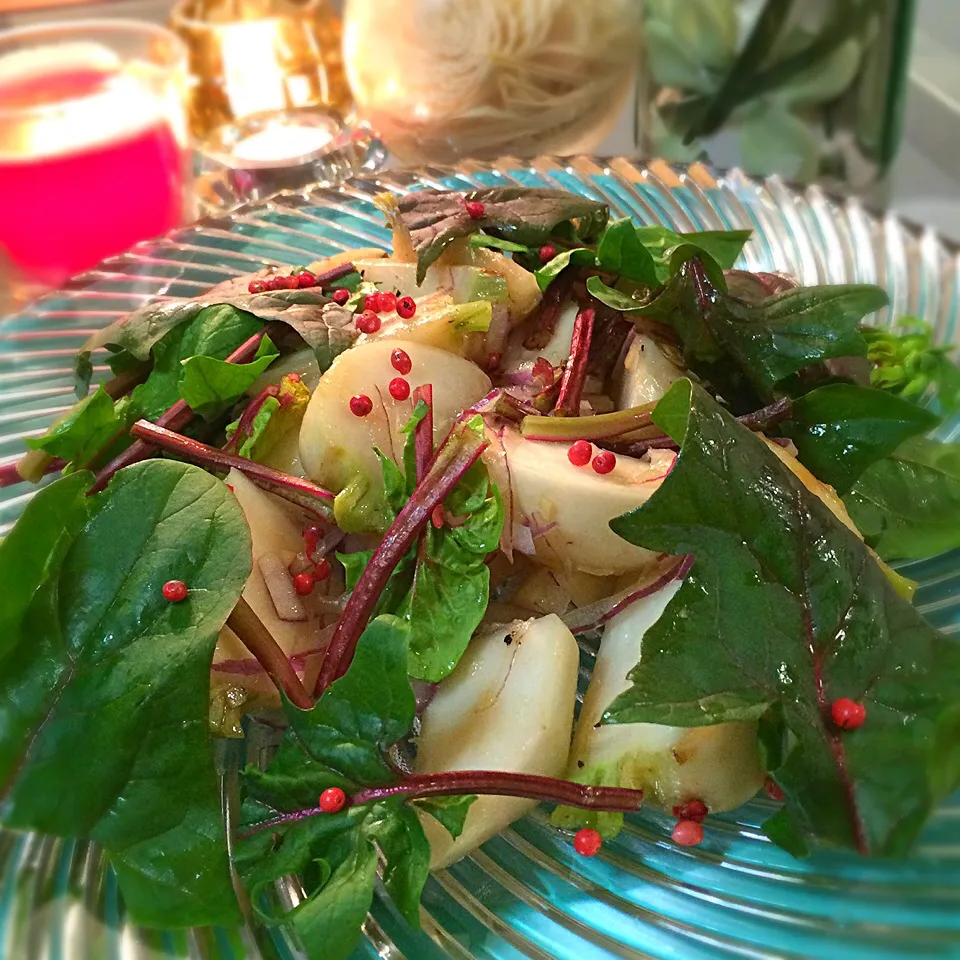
x=92, y=183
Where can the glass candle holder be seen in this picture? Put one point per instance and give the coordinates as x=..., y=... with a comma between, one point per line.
x=256, y=57
x=93, y=151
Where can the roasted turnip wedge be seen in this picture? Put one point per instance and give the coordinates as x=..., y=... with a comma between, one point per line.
x=507, y=706
x=647, y=373
x=336, y=444
x=276, y=539
x=568, y=508
x=719, y=765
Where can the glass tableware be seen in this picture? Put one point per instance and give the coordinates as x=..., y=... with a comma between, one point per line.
x=526, y=895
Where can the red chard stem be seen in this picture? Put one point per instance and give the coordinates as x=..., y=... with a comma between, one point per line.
x=304, y=493
x=458, y=453
x=423, y=434
x=575, y=372
x=334, y=273
x=176, y=418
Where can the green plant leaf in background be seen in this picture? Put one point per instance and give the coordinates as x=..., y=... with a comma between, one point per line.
x=104, y=685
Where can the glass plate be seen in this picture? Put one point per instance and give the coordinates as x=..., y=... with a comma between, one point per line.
x=526, y=894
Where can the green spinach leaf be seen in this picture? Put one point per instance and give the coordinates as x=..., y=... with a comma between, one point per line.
x=799, y=614
x=840, y=429
x=908, y=504
x=746, y=350
x=104, y=685
x=342, y=741
x=86, y=429
x=209, y=385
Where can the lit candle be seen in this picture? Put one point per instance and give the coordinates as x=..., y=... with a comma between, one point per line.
x=283, y=141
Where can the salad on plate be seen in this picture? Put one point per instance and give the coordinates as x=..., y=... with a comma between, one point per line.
x=380, y=506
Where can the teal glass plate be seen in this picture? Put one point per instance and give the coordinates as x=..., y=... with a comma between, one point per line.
x=525, y=894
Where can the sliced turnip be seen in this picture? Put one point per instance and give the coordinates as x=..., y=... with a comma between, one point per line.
x=276, y=539
x=439, y=322
x=719, y=765
x=647, y=374
x=507, y=706
x=338, y=445
x=462, y=283
x=575, y=505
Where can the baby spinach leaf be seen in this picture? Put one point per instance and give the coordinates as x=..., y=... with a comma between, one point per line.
x=523, y=215
x=621, y=251
x=798, y=614
x=443, y=590
x=215, y=331
x=450, y=812
x=722, y=246
x=840, y=429
x=104, y=685
x=87, y=428
x=342, y=741
x=745, y=350
x=908, y=504
x=579, y=256
x=208, y=385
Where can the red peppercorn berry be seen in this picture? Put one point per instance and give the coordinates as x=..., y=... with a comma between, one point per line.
x=276, y=283
x=474, y=209
x=289, y=283
x=406, y=307
x=360, y=405
x=587, y=842
x=311, y=537
x=372, y=302
x=368, y=322
x=687, y=833
x=174, y=591
x=691, y=810
x=436, y=516
x=400, y=361
x=322, y=570
x=604, y=462
x=847, y=714
x=580, y=453
x=399, y=388
x=332, y=800
x=340, y=296
x=306, y=279
x=386, y=302
x=547, y=252
x=303, y=584
x=772, y=789
x=256, y=286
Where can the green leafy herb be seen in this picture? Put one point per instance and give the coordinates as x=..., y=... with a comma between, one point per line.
x=87, y=428
x=746, y=350
x=209, y=385
x=497, y=243
x=443, y=590
x=579, y=256
x=908, y=505
x=343, y=741
x=908, y=364
x=621, y=251
x=104, y=685
x=840, y=429
x=525, y=216
x=797, y=613
x=721, y=246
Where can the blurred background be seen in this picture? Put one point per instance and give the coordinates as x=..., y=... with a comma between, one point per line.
x=122, y=119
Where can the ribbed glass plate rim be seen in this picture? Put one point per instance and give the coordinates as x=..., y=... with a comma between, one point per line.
x=525, y=894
